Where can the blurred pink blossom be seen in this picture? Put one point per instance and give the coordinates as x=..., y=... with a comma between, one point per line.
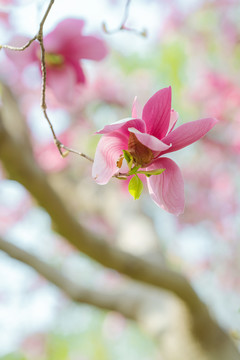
x=65, y=47
x=48, y=158
x=218, y=94
x=4, y=18
x=147, y=138
x=35, y=345
x=211, y=187
x=6, y=2
x=47, y=154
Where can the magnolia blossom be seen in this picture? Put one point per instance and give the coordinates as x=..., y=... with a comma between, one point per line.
x=65, y=46
x=147, y=138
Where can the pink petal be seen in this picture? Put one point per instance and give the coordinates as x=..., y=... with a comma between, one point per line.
x=67, y=39
x=108, y=151
x=91, y=47
x=150, y=141
x=65, y=32
x=188, y=133
x=123, y=126
x=156, y=113
x=21, y=59
x=80, y=77
x=62, y=81
x=173, y=120
x=167, y=189
x=136, y=109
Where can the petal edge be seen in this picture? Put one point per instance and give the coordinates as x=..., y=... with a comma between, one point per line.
x=107, y=153
x=167, y=189
x=188, y=133
x=156, y=113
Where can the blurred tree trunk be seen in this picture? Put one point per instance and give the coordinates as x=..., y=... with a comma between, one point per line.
x=185, y=342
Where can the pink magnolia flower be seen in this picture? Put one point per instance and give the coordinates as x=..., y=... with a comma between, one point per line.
x=65, y=47
x=147, y=138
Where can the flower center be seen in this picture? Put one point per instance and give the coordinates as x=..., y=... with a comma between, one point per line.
x=54, y=60
x=141, y=154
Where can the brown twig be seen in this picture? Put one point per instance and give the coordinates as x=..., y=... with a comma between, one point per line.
x=21, y=48
x=75, y=152
x=123, y=24
x=44, y=76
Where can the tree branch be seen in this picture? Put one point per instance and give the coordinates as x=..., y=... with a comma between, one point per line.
x=121, y=301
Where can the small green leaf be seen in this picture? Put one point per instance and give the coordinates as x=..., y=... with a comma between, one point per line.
x=135, y=187
x=128, y=158
x=134, y=170
x=151, y=172
x=127, y=155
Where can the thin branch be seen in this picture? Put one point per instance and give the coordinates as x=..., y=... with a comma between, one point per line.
x=123, y=24
x=45, y=17
x=76, y=152
x=44, y=76
x=126, y=11
x=21, y=48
